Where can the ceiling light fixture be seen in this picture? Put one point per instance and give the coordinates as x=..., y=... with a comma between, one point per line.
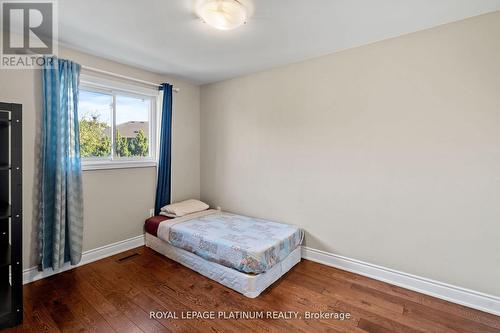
x=223, y=14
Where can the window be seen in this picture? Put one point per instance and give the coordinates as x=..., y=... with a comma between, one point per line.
x=95, y=113
x=132, y=126
x=117, y=125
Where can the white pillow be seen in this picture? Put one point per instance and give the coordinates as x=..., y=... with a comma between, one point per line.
x=183, y=208
x=167, y=214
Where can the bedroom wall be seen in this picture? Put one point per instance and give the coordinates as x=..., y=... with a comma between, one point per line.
x=387, y=153
x=116, y=202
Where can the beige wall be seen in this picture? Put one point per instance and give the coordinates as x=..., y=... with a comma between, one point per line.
x=387, y=153
x=116, y=201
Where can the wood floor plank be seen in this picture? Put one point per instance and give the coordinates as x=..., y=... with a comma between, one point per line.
x=135, y=284
x=123, y=303
x=428, y=301
x=178, y=282
x=118, y=296
x=83, y=310
x=359, y=308
x=171, y=299
x=372, y=327
x=108, y=311
x=451, y=320
x=325, y=285
x=36, y=316
x=62, y=314
x=178, y=279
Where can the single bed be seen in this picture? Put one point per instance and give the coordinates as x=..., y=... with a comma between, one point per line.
x=245, y=254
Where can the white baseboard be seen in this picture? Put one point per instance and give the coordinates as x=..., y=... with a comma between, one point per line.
x=32, y=274
x=466, y=297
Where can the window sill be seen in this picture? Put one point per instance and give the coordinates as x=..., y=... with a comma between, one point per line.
x=89, y=166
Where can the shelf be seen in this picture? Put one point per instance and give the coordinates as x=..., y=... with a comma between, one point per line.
x=11, y=293
x=4, y=255
x=5, y=299
x=4, y=210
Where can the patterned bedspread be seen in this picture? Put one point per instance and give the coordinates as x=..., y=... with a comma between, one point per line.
x=247, y=244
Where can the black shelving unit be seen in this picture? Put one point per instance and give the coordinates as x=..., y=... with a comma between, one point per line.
x=11, y=278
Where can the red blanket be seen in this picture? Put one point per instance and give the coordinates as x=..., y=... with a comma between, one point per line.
x=151, y=224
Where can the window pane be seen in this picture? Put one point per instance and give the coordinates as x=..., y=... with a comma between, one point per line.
x=94, y=115
x=132, y=126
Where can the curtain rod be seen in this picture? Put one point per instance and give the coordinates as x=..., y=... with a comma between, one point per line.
x=92, y=69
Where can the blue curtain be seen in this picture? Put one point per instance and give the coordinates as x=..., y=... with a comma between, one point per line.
x=61, y=229
x=165, y=158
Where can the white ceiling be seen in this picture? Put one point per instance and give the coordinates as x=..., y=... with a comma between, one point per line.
x=165, y=36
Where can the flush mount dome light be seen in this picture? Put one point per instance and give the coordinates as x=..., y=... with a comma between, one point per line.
x=223, y=14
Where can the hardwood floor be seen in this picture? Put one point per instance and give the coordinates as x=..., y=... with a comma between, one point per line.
x=111, y=295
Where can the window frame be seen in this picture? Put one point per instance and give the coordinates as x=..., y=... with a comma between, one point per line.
x=113, y=88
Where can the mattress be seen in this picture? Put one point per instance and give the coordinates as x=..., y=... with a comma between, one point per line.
x=249, y=245
x=249, y=285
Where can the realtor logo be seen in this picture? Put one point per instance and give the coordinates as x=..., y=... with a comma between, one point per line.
x=28, y=33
